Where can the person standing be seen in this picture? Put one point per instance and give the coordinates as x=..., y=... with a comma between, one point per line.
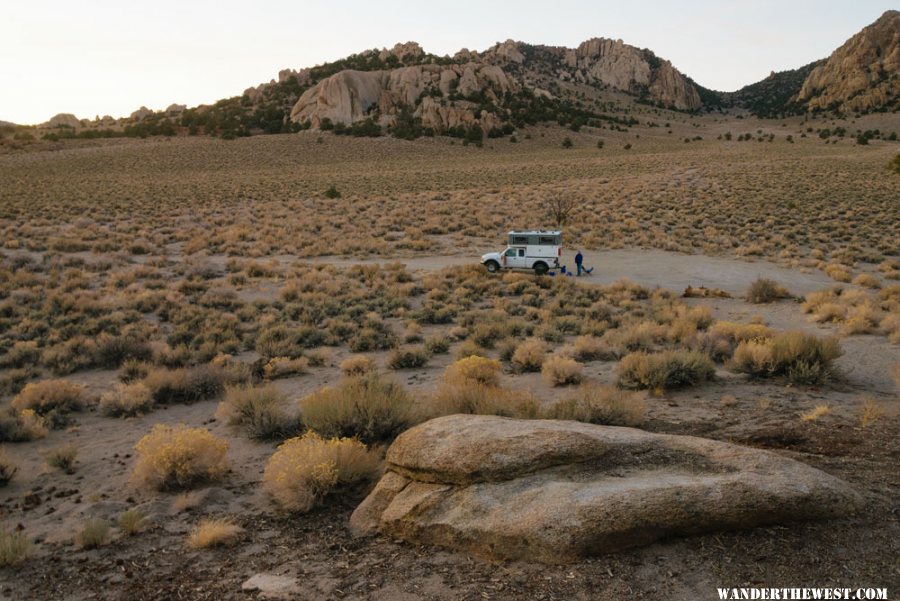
x=579, y=263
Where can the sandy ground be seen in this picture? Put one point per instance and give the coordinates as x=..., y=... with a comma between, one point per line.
x=328, y=563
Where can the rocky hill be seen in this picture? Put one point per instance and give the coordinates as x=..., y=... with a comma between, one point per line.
x=863, y=75
x=487, y=88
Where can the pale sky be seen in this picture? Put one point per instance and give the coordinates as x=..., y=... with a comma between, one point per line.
x=111, y=56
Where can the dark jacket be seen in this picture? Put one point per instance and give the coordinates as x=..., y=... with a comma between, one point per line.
x=578, y=259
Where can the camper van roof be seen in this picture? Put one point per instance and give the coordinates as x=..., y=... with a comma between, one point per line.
x=544, y=232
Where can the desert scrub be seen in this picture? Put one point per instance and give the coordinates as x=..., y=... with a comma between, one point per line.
x=357, y=365
x=408, y=358
x=473, y=397
x=562, y=371
x=802, y=358
x=21, y=426
x=604, y=405
x=214, y=532
x=764, y=290
x=14, y=547
x=368, y=407
x=131, y=522
x=263, y=413
x=306, y=469
x=665, y=370
x=283, y=367
x=63, y=458
x=186, y=385
x=8, y=468
x=529, y=355
x=94, y=533
x=591, y=348
x=50, y=395
x=438, y=345
x=126, y=400
x=176, y=457
x=474, y=368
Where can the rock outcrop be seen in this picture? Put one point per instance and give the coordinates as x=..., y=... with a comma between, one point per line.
x=861, y=75
x=63, y=120
x=554, y=491
x=631, y=69
x=350, y=96
x=141, y=113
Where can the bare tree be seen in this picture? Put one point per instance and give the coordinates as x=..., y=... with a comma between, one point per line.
x=560, y=209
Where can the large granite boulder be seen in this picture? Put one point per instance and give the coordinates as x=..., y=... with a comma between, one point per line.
x=554, y=491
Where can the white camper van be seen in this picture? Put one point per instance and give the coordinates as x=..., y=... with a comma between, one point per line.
x=535, y=250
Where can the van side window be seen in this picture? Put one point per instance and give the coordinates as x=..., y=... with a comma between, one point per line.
x=520, y=239
x=548, y=240
x=521, y=252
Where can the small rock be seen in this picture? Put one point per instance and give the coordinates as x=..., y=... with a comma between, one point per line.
x=272, y=586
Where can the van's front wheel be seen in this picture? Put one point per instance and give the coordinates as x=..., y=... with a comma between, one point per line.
x=492, y=266
x=541, y=268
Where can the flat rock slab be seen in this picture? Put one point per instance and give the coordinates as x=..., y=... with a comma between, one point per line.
x=554, y=491
x=272, y=586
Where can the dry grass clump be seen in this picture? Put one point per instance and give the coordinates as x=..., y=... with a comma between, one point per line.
x=50, y=395
x=94, y=533
x=562, y=371
x=127, y=400
x=283, y=367
x=871, y=412
x=764, y=290
x=14, y=547
x=187, y=385
x=131, y=522
x=304, y=470
x=21, y=426
x=438, y=345
x=665, y=370
x=529, y=356
x=408, y=358
x=802, y=358
x=368, y=407
x=357, y=365
x=838, y=272
x=815, y=413
x=263, y=413
x=63, y=458
x=214, y=532
x=866, y=280
x=8, y=468
x=604, y=405
x=176, y=457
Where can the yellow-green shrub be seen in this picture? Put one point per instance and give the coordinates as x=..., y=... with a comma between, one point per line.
x=479, y=369
x=262, y=412
x=665, y=370
x=368, y=407
x=50, y=395
x=803, y=358
x=306, y=469
x=127, y=400
x=562, y=371
x=529, y=355
x=598, y=404
x=174, y=457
